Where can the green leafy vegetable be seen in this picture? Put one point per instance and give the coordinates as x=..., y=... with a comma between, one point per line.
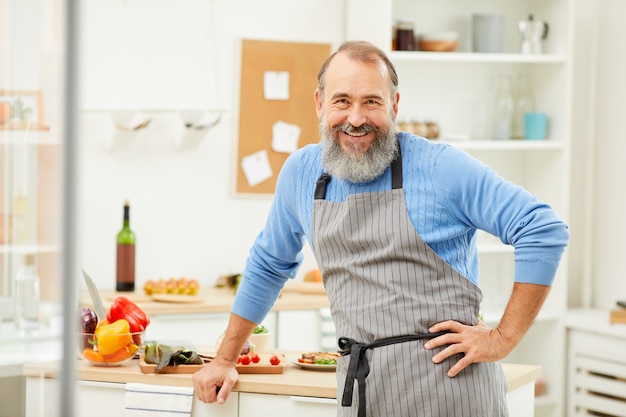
x=260, y=329
x=164, y=355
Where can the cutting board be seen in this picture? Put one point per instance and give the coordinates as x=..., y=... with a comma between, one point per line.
x=618, y=316
x=263, y=367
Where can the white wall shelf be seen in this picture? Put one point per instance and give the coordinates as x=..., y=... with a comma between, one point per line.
x=25, y=249
x=470, y=57
x=508, y=145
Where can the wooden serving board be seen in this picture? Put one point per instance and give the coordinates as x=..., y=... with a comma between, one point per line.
x=263, y=367
x=177, y=298
x=165, y=298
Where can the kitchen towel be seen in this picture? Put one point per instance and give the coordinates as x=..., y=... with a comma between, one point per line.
x=144, y=400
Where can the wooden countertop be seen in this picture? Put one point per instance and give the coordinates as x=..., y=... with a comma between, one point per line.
x=294, y=381
x=216, y=300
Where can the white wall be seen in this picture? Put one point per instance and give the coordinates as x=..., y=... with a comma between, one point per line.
x=167, y=55
x=598, y=171
x=160, y=57
x=609, y=196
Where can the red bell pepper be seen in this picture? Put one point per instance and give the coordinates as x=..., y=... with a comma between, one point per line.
x=123, y=308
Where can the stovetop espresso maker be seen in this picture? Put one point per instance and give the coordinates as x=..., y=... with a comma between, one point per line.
x=532, y=32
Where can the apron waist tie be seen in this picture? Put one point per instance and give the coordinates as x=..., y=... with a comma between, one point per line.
x=358, y=367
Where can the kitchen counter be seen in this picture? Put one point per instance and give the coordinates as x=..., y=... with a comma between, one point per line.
x=216, y=300
x=294, y=381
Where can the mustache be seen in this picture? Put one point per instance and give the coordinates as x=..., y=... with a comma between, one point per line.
x=351, y=129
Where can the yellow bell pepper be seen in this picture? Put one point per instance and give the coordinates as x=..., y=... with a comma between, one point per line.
x=113, y=337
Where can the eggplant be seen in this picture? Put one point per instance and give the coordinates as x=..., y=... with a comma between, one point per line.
x=88, y=321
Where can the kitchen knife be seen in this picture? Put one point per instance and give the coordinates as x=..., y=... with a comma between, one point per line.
x=95, y=297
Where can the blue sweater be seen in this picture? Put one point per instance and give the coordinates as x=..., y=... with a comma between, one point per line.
x=449, y=196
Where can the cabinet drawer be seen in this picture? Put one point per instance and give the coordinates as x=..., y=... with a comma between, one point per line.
x=265, y=405
x=597, y=375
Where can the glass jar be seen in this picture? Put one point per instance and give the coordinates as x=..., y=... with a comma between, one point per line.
x=524, y=102
x=405, y=36
x=502, y=116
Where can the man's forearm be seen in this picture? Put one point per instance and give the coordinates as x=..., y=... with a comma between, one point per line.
x=522, y=309
x=238, y=331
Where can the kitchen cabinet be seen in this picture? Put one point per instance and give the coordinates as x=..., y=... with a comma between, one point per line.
x=105, y=399
x=101, y=391
x=456, y=89
x=596, y=365
x=263, y=405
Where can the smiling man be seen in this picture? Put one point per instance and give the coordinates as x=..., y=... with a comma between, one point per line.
x=392, y=220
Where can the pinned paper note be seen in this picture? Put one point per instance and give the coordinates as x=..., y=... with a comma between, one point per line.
x=276, y=85
x=285, y=137
x=257, y=167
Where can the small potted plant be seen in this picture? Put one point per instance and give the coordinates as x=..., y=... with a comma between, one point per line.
x=260, y=338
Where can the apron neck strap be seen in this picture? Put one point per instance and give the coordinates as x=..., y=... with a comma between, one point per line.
x=396, y=177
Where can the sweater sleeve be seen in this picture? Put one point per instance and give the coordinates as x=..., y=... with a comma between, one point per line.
x=276, y=253
x=478, y=197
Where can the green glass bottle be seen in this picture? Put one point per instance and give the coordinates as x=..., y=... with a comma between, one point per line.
x=125, y=261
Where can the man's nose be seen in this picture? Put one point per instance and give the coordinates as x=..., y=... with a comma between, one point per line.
x=357, y=116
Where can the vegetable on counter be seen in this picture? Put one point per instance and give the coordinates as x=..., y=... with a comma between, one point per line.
x=164, y=355
x=123, y=308
x=87, y=323
x=113, y=337
x=88, y=320
x=260, y=329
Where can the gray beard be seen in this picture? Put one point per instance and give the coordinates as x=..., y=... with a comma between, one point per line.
x=358, y=167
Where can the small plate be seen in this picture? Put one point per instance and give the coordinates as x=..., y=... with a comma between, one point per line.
x=314, y=367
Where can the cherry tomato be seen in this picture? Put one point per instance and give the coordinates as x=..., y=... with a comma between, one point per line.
x=274, y=360
x=245, y=359
x=254, y=357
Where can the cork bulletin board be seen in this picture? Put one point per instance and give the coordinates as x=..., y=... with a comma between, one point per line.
x=297, y=64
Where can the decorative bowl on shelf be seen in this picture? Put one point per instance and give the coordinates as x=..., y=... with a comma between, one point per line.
x=109, y=349
x=438, y=42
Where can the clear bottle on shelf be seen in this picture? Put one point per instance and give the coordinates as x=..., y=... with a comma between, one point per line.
x=27, y=295
x=524, y=101
x=502, y=116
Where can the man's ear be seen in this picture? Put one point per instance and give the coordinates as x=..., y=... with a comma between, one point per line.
x=318, y=102
x=395, y=105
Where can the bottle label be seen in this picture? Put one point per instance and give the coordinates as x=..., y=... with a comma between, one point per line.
x=125, y=264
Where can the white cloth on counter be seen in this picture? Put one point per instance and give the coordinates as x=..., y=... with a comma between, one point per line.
x=146, y=400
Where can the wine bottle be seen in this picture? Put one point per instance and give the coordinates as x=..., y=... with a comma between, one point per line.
x=125, y=275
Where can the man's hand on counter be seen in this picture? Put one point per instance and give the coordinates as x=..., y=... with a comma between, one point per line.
x=215, y=381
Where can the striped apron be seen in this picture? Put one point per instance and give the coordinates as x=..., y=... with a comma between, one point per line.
x=386, y=288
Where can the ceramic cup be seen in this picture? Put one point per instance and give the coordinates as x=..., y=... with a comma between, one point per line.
x=535, y=125
x=487, y=32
